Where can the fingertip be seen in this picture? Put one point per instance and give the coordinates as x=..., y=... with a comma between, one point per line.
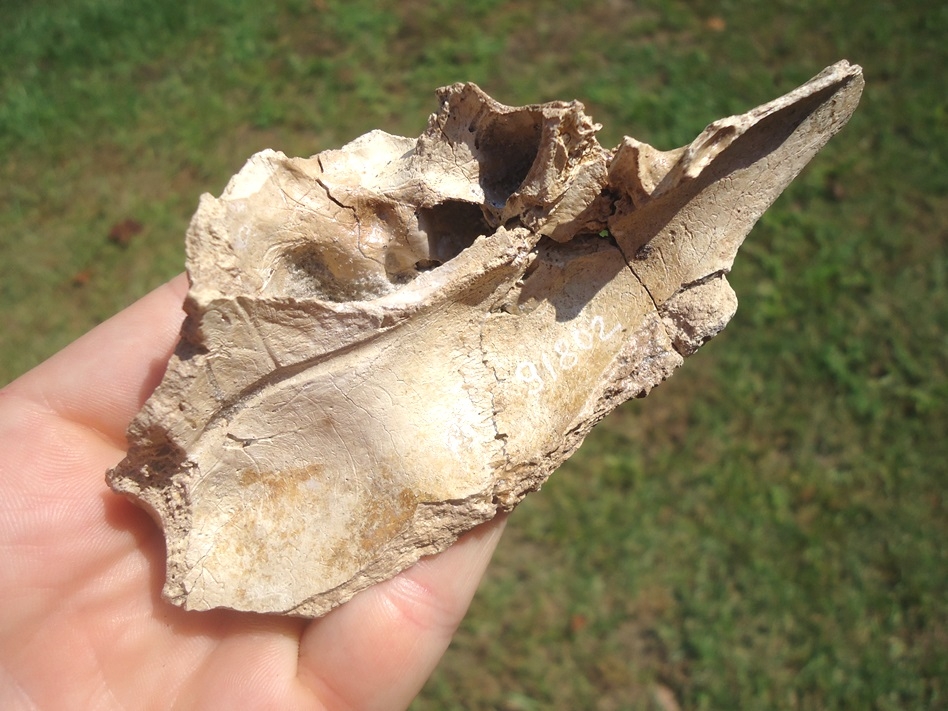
x=377, y=650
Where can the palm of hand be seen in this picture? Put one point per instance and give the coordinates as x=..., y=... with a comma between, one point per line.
x=82, y=623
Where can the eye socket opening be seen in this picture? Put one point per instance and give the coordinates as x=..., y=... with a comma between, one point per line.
x=506, y=149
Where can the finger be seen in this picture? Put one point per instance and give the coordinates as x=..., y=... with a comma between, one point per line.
x=102, y=379
x=377, y=650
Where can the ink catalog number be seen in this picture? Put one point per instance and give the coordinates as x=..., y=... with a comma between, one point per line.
x=566, y=354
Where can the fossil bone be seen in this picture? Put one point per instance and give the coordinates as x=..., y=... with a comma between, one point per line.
x=388, y=343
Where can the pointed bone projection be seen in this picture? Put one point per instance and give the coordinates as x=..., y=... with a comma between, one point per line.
x=389, y=343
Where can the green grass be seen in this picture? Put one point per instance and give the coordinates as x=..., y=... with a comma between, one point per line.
x=767, y=529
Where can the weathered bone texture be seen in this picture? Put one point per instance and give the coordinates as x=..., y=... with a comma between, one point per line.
x=389, y=343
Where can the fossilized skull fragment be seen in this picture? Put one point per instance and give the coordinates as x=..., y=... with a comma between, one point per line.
x=388, y=343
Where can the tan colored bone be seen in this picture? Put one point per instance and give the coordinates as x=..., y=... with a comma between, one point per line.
x=388, y=343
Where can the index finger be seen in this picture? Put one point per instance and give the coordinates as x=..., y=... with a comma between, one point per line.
x=102, y=379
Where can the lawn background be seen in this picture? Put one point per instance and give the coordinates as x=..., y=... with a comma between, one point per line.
x=768, y=529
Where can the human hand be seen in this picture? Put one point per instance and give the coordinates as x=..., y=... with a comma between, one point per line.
x=82, y=623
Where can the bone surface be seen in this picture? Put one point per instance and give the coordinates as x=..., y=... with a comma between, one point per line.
x=389, y=343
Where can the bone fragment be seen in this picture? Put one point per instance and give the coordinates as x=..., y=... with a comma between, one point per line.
x=389, y=343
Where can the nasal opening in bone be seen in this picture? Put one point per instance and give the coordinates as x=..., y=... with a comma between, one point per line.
x=445, y=230
x=506, y=149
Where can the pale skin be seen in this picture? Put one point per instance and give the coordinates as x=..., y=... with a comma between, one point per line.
x=82, y=622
